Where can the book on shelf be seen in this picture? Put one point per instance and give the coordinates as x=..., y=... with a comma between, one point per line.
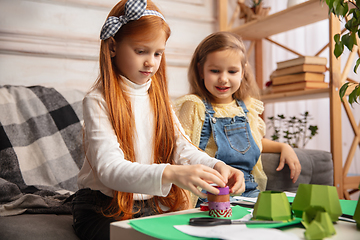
x=304, y=85
x=302, y=60
x=314, y=68
x=291, y=78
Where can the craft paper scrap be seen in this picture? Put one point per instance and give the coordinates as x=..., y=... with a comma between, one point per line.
x=232, y=232
x=246, y=199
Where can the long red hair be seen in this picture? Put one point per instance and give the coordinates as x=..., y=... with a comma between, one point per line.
x=121, y=117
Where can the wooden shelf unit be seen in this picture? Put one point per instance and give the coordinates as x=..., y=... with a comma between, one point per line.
x=309, y=12
x=297, y=16
x=295, y=95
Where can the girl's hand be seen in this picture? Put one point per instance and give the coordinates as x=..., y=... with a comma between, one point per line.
x=190, y=177
x=234, y=178
x=289, y=157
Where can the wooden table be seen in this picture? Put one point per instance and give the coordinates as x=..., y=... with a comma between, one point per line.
x=122, y=230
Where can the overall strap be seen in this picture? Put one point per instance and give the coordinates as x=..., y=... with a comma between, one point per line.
x=208, y=108
x=242, y=104
x=207, y=128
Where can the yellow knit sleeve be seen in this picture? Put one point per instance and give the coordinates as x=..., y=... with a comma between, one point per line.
x=258, y=128
x=190, y=111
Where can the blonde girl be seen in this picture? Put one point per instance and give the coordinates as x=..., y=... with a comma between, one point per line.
x=222, y=115
x=138, y=161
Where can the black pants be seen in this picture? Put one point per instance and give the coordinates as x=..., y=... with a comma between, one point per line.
x=88, y=221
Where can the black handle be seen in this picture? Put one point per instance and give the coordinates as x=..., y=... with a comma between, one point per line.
x=207, y=221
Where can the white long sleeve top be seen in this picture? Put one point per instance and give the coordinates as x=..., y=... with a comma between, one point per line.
x=105, y=167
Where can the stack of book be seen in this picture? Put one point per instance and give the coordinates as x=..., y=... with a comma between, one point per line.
x=301, y=73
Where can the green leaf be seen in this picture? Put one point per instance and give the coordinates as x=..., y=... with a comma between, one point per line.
x=352, y=97
x=345, y=9
x=343, y=90
x=357, y=65
x=339, y=48
x=358, y=90
x=356, y=93
x=340, y=8
x=329, y=2
x=337, y=38
x=352, y=25
x=348, y=40
x=313, y=130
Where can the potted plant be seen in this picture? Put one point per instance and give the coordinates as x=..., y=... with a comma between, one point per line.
x=295, y=131
x=350, y=11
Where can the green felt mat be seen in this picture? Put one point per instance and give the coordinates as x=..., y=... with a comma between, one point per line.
x=163, y=227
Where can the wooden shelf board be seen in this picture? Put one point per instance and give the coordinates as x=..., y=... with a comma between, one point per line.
x=295, y=95
x=297, y=16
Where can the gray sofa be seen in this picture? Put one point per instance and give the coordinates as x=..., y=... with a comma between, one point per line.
x=41, y=153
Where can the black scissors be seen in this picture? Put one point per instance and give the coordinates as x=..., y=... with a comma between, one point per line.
x=207, y=221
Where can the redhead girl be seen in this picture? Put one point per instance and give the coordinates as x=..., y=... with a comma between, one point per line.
x=138, y=160
x=222, y=115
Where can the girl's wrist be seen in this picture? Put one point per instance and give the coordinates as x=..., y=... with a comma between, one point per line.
x=284, y=146
x=167, y=174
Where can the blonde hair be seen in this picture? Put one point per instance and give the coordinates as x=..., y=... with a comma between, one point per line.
x=220, y=41
x=120, y=112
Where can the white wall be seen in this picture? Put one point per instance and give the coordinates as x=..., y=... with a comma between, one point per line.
x=56, y=42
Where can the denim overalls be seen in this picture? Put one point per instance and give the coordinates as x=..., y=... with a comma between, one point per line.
x=235, y=143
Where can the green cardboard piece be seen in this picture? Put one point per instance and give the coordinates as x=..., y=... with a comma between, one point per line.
x=272, y=205
x=324, y=219
x=356, y=216
x=314, y=231
x=317, y=195
x=309, y=215
x=319, y=215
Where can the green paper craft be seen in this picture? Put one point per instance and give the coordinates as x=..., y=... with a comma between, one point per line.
x=319, y=215
x=356, y=216
x=324, y=219
x=162, y=227
x=314, y=231
x=317, y=195
x=347, y=206
x=272, y=205
x=309, y=215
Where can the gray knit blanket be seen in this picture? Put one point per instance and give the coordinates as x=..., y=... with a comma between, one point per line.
x=41, y=148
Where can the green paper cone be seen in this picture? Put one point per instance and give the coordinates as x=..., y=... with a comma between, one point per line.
x=317, y=195
x=272, y=205
x=314, y=231
x=324, y=219
x=309, y=215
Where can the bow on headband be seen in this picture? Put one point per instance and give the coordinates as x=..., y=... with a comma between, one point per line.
x=134, y=9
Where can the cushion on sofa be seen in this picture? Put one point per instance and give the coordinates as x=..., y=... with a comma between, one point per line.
x=316, y=168
x=40, y=142
x=37, y=227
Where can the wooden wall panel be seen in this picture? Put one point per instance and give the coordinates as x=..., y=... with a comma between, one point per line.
x=56, y=42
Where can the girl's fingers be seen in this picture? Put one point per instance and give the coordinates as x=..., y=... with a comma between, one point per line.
x=197, y=192
x=297, y=172
x=237, y=184
x=191, y=177
x=209, y=175
x=234, y=177
x=281, y=164
x=238, y=188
